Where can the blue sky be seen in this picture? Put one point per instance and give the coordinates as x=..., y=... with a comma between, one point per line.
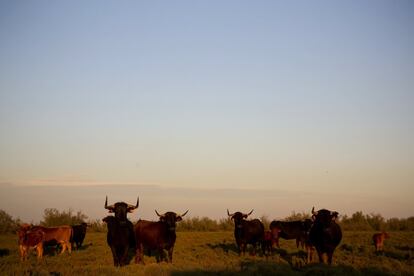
x=294, y=95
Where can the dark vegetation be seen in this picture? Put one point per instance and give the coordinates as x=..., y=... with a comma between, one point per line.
x=356, y=222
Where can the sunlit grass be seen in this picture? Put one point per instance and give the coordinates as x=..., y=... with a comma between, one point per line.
x=212, y=253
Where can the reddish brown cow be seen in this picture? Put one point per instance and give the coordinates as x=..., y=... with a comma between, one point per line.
x=378, y=240
x=30, y=239
x=60, y=234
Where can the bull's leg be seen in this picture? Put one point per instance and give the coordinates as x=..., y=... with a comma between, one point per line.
x=115, y=256
x=170, y=254
x=330, y=254
x=138, y=254
x=297, y=242
x=39, y=249
x=124, y=256
x=63, y=244
x=320, y=255
x=69, y=245
x=254, y=249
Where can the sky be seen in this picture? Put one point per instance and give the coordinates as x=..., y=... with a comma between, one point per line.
x=309, y=100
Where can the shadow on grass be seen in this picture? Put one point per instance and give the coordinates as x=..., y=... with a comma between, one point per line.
x=4, y=252
x=82, y=247
x=226, y=247
x=269, y=268
x=404, y=248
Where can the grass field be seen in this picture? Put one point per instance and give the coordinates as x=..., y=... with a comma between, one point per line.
x=214, y=253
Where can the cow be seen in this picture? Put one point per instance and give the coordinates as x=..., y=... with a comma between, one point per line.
x=247, y=231
x=288, y=230
x=79, y=232
x=120, y=235
x=325, y=234
x=157, y=235
x=59, y=234
x=28, y=239
x=267, y=244
x=378, y=239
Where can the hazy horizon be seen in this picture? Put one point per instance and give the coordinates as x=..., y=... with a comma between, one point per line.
x=307, y=98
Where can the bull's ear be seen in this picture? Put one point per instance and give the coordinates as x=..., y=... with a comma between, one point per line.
x=334, y=215
x=178, y=218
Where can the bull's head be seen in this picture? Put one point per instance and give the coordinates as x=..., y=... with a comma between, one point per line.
x=238, y=218
x=170, y=219
x=324, y=216
x=121, y=209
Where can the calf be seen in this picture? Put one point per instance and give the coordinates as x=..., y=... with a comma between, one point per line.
x=59, y=234
x=298, y=230
x=267, y=243
x=28, y=239
x=379, y=239
x=79, y=232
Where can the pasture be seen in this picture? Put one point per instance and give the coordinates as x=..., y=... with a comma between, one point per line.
x=215, y=253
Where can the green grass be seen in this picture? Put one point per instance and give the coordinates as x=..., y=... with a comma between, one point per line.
x=214, y=253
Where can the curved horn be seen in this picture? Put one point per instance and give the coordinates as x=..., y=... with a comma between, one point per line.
x=250, y=213
x=158, y=213
x=228, y=213
x=132, y=207
x=184, y=213
x=110, y=207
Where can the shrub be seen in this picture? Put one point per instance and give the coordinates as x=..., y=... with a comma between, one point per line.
x=53, y=217
x=7, y=224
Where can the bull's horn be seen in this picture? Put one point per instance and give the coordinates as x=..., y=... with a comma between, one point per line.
x=158, y=213
x=184, y=213
x=132, y=207
x=250, y=213
x=228, y=213
x=110, y=207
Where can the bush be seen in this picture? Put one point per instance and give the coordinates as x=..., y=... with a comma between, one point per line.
x=205, y=224
x=7, y=223
x=53, y=217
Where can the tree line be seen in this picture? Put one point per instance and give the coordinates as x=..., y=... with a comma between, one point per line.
x=356, y=222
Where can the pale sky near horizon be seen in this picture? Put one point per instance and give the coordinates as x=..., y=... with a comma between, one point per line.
x=299, y=96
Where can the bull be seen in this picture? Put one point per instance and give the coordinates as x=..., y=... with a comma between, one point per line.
x=288, y=230
x=120, y=235
x=247, y=231
x=79, y=232
x=159, y=235
x=325, y=234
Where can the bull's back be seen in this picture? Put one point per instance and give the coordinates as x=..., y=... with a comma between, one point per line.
x=61, y=233
x=149, y=233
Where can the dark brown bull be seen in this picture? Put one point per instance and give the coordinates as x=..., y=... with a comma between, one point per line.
x=120, y=235
x=247, y=231
x=79, y=233
x=159, y=235
x=378, y=239
x=325, y=233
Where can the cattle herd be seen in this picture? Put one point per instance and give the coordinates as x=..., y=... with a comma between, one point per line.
x=321, y=233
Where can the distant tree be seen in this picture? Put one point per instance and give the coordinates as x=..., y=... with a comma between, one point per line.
x=7, y=223
x=53, y=217
x=297, y=216
x=376, y=221
x=358, y=221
